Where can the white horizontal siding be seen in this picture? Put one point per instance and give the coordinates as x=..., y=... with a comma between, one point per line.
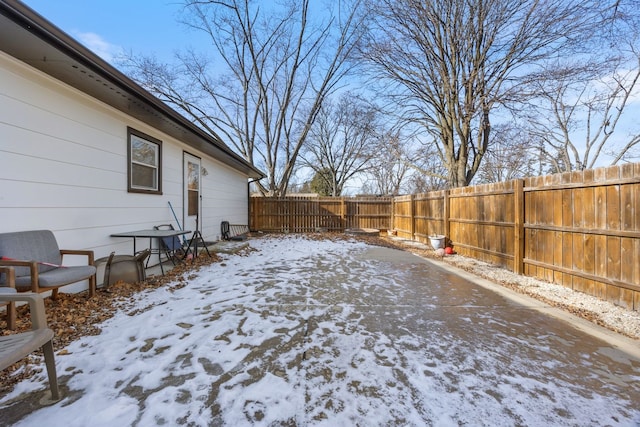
x=63, y=160
x=224, y=198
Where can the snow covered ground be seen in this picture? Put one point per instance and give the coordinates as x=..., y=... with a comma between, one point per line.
x=320, y=333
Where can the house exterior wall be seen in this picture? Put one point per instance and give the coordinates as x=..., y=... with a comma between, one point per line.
x=63, y=167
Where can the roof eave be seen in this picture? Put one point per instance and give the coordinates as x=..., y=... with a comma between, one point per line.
x=31, y=38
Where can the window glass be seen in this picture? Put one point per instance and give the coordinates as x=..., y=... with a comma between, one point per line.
x=193, y=187
x=144, y=163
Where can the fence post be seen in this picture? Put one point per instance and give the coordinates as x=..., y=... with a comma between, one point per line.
x=252, y=213
x=392, y=222
x=447, y=215
x=518, y=227
x=412, y=227
x=290, y=207
x=343, y=214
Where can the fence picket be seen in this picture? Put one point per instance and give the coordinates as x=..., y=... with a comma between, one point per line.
x=578, y=229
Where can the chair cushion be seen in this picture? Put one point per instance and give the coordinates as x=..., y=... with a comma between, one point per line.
x=33, y=245
x=58, y=277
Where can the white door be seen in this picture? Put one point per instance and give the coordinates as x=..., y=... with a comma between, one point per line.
x=192, y=199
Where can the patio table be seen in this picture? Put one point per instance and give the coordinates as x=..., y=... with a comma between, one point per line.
x=151, y=234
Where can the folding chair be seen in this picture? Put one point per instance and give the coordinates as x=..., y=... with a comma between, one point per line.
x=171, y=246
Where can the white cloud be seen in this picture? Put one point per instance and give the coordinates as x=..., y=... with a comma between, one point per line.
x=98, y=45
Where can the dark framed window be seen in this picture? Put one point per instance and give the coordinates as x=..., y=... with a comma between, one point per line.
x=144, y=156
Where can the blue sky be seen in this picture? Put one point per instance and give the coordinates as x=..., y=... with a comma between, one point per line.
x=108, y=27
x=152, y=27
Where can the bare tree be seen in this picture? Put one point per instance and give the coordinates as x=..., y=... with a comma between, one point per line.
x=451, y=63
x=512, y=154
x=576, y=116
x=389, y=167
x=342, y=141
x=273, y=67
x=404, y=164
x=427, y=172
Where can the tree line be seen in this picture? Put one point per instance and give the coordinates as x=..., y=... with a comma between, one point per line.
x=404, y=95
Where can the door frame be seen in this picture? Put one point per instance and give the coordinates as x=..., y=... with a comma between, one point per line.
x=191, y=170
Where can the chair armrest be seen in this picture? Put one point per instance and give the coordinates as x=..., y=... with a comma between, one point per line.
x=17, y=263
x=88, y=254
x=33, y=269
x=11, y=276
x=36, y=306
x=9, y=287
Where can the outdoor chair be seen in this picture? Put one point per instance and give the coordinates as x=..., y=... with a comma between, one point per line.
x=172, y=247
x=125, y=268
x=235, y=232
x=8, y=276
x=17, y=346
x=37, y=260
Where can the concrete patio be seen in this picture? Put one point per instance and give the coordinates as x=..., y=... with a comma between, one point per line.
x=318, y=333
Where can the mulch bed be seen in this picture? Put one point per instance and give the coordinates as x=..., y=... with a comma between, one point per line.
x=72, y=316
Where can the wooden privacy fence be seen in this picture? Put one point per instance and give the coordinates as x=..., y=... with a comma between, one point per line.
x=577, y=229
x=310, y=214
